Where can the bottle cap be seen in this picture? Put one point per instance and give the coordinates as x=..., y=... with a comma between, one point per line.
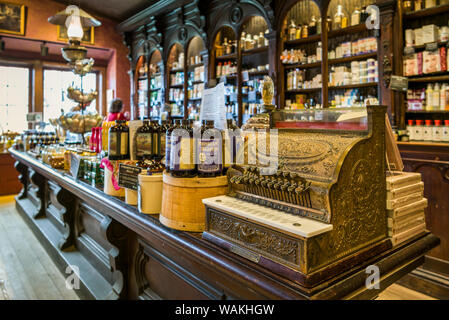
x=428, y=122
x=410, y=122
x=446, y=122
x=419, y=122
x=437, y=122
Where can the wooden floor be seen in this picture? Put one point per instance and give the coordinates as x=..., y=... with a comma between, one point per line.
x=28, y=273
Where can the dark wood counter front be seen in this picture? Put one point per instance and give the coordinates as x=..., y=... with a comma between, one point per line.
x=432, y=161
x=9, y=184
x=120, y=253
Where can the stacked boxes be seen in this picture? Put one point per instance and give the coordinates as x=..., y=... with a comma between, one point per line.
x=405, y=206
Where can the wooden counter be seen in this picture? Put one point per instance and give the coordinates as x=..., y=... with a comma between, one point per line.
x=432, y=161
x=9, y=182
x=122, y=254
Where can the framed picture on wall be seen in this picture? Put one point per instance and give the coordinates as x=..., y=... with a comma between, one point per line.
x=88, y=36
x=12, y=18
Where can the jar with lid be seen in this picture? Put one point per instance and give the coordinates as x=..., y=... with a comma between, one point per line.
x=260, y=40
x=292, y=31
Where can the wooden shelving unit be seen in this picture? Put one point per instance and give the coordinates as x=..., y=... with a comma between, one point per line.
x=426, y=12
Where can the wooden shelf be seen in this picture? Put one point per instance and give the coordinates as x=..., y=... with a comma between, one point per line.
x=427, y=111
x=431, y=77
x=197, y=82
x=227, y=57
x=142, y=79
x=231, y=76
x=353, y=58
x=175, y=101
x=427, y=12
x=176, y=70
x=254, y=51
x=258, y=73
x=355, y=86
x=303, y=90
x=348, y=30
x=155, y=89
x=194, y=99
x=423, y=46
x=311, y=39
x=177, y=85
x=193, y=66
x=302, y=66
x=423, y=143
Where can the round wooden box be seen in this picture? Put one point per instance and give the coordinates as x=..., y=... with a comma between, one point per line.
x=182, y=206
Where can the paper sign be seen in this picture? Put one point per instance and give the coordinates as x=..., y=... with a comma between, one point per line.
x=213, y=106
x=245, y=76
x=75, y=161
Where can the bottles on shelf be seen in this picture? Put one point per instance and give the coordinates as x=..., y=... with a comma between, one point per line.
x=296, y=80
x=226, y=68
x=194, y=60
x=177, y=78
x=248, y=41
x=354, y=48
x=433, y=98
x=428, y=130
x=260, y=68
x=298, y=31
x=340, y=20
x=352, y=99
x=416, y=5
x=118, y=141
x=226, y=47
x=176, y=94
x=360, y=72
x=195, y=91
x=426, y=34
x=294, y=56
x=197, y=74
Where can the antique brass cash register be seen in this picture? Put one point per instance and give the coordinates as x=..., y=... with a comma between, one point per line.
x=321, y=210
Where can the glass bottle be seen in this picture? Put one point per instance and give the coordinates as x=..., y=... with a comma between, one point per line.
x=168, y=144
x=298, y=31
x=292, y=31
x=143, y=141
x=305, y=31
x=312, y=26
x=210, y=160
x=155, y=140
x=340, y=20
x=182, y=151
x=355, y=17
x=407, y=6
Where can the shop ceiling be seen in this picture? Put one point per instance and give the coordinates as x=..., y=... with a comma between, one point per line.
x=118, y=10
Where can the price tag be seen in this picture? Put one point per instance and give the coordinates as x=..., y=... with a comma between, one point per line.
x=432, y=46
x=75, y=161
x=409, y=51
x=245, y=76
x=398, y=83
x=128, y=176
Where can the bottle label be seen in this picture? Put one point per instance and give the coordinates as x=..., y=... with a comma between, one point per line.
x=167, y=150
x=156, y=144
x=124, y=143
x=229, y=149
x=143, y=144
x=163, y=144
x=210, y=158
x=113, y=144
x=182, y=153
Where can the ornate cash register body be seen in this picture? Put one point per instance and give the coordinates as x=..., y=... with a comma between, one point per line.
x=322, y=209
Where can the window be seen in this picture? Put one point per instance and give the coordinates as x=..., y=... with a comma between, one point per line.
x=56, y=83
x=14, y=98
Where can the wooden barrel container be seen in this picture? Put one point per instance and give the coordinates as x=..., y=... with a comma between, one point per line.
x=182, y=207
